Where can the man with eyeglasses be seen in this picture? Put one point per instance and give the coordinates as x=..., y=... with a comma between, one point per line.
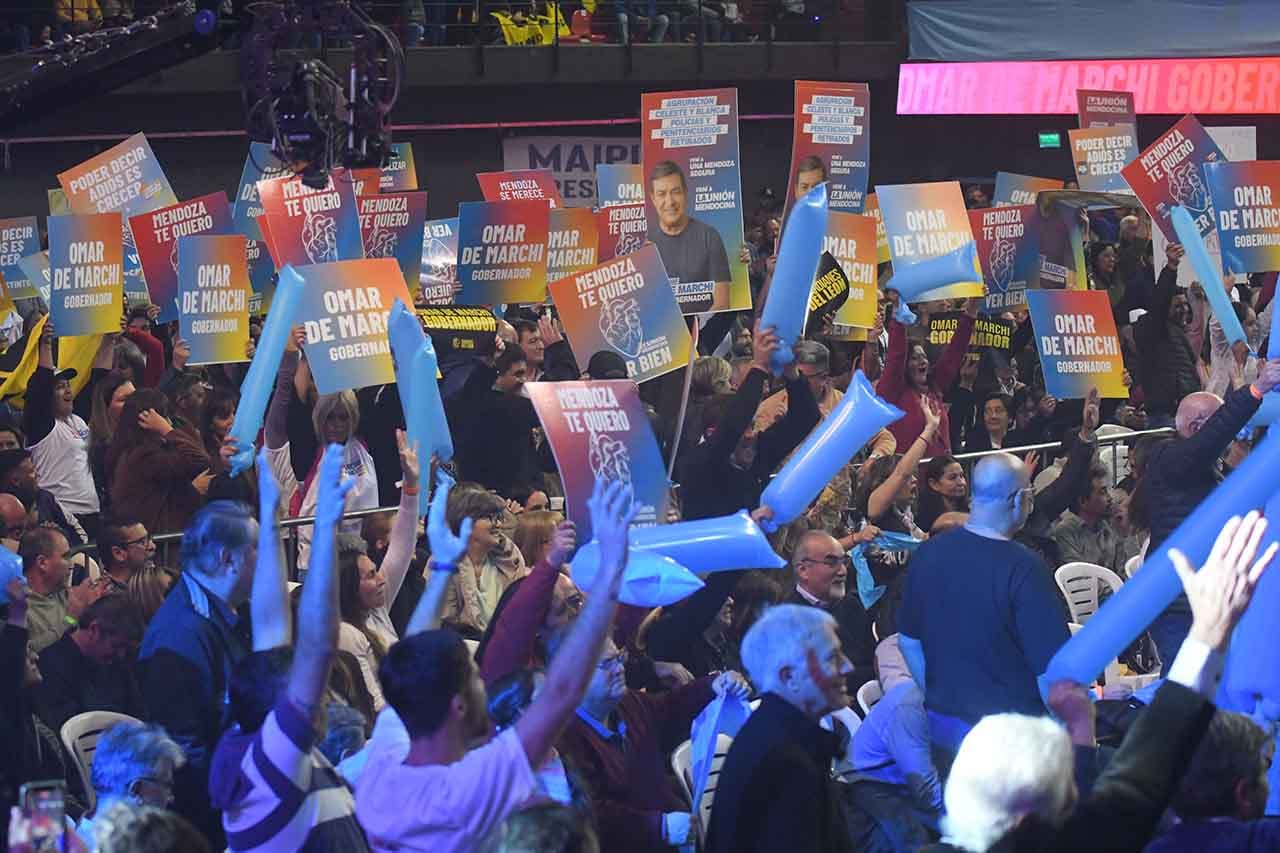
x=133, y=763
x=822, y=573
x=980, y=616
x=124, y=548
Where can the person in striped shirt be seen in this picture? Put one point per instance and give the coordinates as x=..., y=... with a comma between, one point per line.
x=277, y=792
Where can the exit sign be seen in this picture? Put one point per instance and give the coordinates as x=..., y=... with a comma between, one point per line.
x=1050, y=139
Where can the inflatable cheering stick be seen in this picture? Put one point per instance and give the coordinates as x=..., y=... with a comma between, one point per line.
x=1208, y=273
x=261, y=378
x=787, y=306
x=650, y=579
x=851, y=424
x=913, y=281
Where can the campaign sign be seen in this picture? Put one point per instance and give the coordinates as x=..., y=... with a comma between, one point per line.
x=364, y=180
x=260, y=164
x=625, y=305
x=923, y=221
x=1170, y=173
x=213, y=292
x=57, y=203
x=309, y=225
x=264, y=228
x=621, y=230
x=1100, y=154
x=1020, y=189
x=392, y=225
x=454, y=327
x=19, y=238
x=851, y=240
x=344, y=308
x=522, y=185
x=598, y=430
x=571, y=159
x=988, y=332
x=882, y=240
x=86, y=266
x=36, y=269
x=400, y=174
x=438, y=277
x=1008, y=241
x=262, y=276
x=1100, y=108
x=1246, y=199
x=619, y=183
x=690, y=158
x=571, y=242
x=1076, y=337
x=831, y=141
x=502, y=252
x=829, y=293
x=156, y=235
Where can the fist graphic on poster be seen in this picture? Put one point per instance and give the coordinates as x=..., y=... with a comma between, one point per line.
x=1000, y=262
x=320, y=239
x=620, y=324
x=1187, y=188
x=608, y=457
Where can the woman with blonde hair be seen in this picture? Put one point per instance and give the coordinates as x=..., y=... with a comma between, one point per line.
x=147, y=589
x=533, y=534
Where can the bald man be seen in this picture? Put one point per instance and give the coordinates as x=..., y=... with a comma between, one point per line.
x=980, y=616
x=824, y=579
x=13, y=515
x=1181, y=472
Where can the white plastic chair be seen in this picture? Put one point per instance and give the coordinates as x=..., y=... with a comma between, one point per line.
x=1132, y=565
x=80, y=736
x=472, y=647
x=868, y=695
x=1079, y=583
x=682, y=764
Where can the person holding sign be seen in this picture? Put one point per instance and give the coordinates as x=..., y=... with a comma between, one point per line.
x=691, y=250
x=1167, y=366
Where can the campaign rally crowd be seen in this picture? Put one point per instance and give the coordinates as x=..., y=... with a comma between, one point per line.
x=446, y=685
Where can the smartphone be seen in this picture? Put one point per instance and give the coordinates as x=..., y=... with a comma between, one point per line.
x=43, y=809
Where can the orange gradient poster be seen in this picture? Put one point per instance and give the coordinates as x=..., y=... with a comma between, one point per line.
x=86, y=271
x=213, y=296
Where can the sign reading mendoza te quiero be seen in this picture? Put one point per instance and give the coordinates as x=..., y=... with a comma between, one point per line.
x=156, y=234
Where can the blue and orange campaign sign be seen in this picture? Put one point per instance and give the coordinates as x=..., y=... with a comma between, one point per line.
x=851, y=240
x=625, y=306
x=1076, y=337
x=401, y=173
x=392, y=226
x=19, y=238
x=621, y=230
x=1100, y=155
x=1246, y=201
x=923, y=221
x=872, y=209
x=86, y=266
x=213, y=294
x=619, y=183
x=1012, y=188
x=156, y=234
x=694, y=188
x=1008, y=241
x=831, y=141
x=344, y=308
x=260, y=165
x=502, y=252
x=438, y=278
x=571, y=242
x=520, y=185
x=598, y=429
x=1170, y=172
x=310, y=225
x=36, y=269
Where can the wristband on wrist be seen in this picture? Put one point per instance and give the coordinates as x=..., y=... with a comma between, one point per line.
x=409, y=490
x=71, y=620
x=1253, y=389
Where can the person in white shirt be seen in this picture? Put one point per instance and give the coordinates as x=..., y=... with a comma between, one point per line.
x=445, y=796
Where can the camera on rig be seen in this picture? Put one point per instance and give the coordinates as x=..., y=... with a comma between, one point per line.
x=314, y=118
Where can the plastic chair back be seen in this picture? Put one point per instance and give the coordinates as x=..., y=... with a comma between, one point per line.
x=1080, y=584
x=682, y=764
x=868, y=695
x=80, y=736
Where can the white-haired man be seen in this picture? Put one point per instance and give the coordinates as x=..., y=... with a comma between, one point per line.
x=776, y=790
x=133, y=763
x=1011, y=786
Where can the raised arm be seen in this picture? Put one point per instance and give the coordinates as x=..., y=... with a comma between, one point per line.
x=37, y=414
x=893, y=378
x=881, y=499
x=1075, y=479
x=612, y=510
x=953, y=357
x=269, y=599
x=153, y=349
x=318, y=610
x=277, y=420
x=446, y=549
x=404, y=532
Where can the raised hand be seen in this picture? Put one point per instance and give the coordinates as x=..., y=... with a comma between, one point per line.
x=731, y=684
x=1268, y=375
x=410, y=469
x=549, y=330
x=1092, y=414
x=331, y=497
x=152, y=421
x=446, y=546
x=932, y=418
x=181, y=353
x=268, y=488
x=612, y=510
x=564, y=539
x=202, y=481
x=764, y=343
x=1221, y=591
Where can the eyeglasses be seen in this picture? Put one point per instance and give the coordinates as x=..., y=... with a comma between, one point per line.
x=166, y=788
x=831, y=561
x=141, y=540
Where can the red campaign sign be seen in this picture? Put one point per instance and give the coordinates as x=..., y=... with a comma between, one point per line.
x=520, y=185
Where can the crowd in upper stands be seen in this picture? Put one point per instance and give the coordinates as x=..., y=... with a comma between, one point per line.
x=395, y=685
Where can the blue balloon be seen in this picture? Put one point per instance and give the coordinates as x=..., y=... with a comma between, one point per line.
x=911, y=282
x=1253, y=669
x=649, y=580
x=787, y=306
x=1267, y=414
x=710, y=544
x=1208, y=273
x=206, y=22
x=426, y=396
x=857, y=417
x=10, y=569
x=1128, y=612
x=261, y=378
